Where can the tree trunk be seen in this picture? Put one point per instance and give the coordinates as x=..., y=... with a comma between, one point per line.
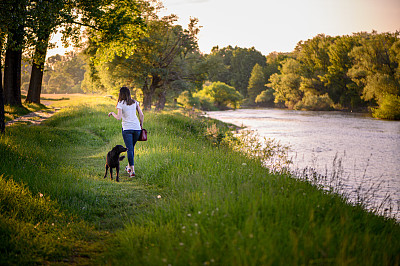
x=12, y=66
x=12, y=77
x=161, y=99
x=148, y=92
x=2, y=115
x=147, y=97
x=35, y=84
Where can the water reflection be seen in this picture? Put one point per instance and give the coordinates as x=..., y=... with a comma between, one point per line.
x=369, y=149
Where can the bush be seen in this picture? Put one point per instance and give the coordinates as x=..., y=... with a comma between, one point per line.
x=187, y=100
x=314, y=102
x=389, y=108
x=265, y=97
x=222, y=95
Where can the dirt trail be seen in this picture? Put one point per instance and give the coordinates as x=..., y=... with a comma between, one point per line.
x=35, y=118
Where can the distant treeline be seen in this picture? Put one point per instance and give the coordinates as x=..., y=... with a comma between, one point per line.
x=62, y=74
x=324, y=73
x=359, y=72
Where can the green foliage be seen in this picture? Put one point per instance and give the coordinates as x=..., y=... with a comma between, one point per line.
x=287, y=84
x=206, y=102
x=162, y=62
x=266, y=97
x=314, y=102
x=233, y=66
x=389, y=108
x=341, y=88
x=116, y=26
x=352, y=70
x=242, y=63
x=222, y=95
x=64, y=74
x=376, y=65
x=187, y=100
x=257, y=82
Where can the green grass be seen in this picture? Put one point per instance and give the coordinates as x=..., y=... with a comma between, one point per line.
x=193, y=201
x=12, y=112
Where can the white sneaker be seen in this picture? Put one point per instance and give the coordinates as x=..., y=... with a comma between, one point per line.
x=128, y=169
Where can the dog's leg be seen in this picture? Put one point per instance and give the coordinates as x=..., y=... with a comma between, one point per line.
x=117, y=169
x=106, y=171
x=111, y=173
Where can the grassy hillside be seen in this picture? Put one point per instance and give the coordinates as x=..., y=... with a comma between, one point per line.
x=192, y=202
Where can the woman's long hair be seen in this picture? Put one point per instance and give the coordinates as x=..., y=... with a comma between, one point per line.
x=125, y=95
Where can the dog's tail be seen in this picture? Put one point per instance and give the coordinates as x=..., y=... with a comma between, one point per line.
x=121, y=158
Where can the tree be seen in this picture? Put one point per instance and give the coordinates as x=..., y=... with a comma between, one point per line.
x=242, y=63
x=287, y=84
x=114, y=21
x=64, y=74
x=2, y=39
x=376, y=66
x=16, y=11
x=314, y=58
x=218, y=64
x=156, y=61
x=43, y=26
x=341, y=88
x=233, y=66
x=266, y=97
x=257, y=83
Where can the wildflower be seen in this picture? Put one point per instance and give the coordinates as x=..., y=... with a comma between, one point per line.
x=159, y=197
x=41, y=195
x=199, y=212
x=244, y=164
x=195, y=225
x=189, y=215
x=181, y=244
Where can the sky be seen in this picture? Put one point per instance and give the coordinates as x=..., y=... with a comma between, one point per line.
x=278, y=25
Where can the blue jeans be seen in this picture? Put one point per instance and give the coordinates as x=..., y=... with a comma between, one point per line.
x=130, y=139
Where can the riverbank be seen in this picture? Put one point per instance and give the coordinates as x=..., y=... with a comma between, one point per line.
x=194, y=201
x=359, y=152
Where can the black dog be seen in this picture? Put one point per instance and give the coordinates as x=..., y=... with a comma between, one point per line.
x=113, y=159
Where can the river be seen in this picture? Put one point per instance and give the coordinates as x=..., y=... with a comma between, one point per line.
x=368, y=149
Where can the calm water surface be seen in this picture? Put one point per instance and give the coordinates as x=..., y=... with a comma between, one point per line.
x=369, y=149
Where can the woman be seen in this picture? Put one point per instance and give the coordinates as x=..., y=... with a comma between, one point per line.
x=131, y=125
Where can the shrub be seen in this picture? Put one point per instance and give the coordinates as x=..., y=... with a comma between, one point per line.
x=389, y=108
x=314, y=102
x=222, y=95
x=187, y=100
x=265, y=97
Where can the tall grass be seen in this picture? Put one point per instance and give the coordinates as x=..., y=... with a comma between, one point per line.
x=220, y=207
x=194, y=200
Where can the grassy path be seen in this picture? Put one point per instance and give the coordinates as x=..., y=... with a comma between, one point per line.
x=193, y=202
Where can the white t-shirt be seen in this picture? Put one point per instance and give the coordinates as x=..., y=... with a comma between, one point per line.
x=129, y=118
